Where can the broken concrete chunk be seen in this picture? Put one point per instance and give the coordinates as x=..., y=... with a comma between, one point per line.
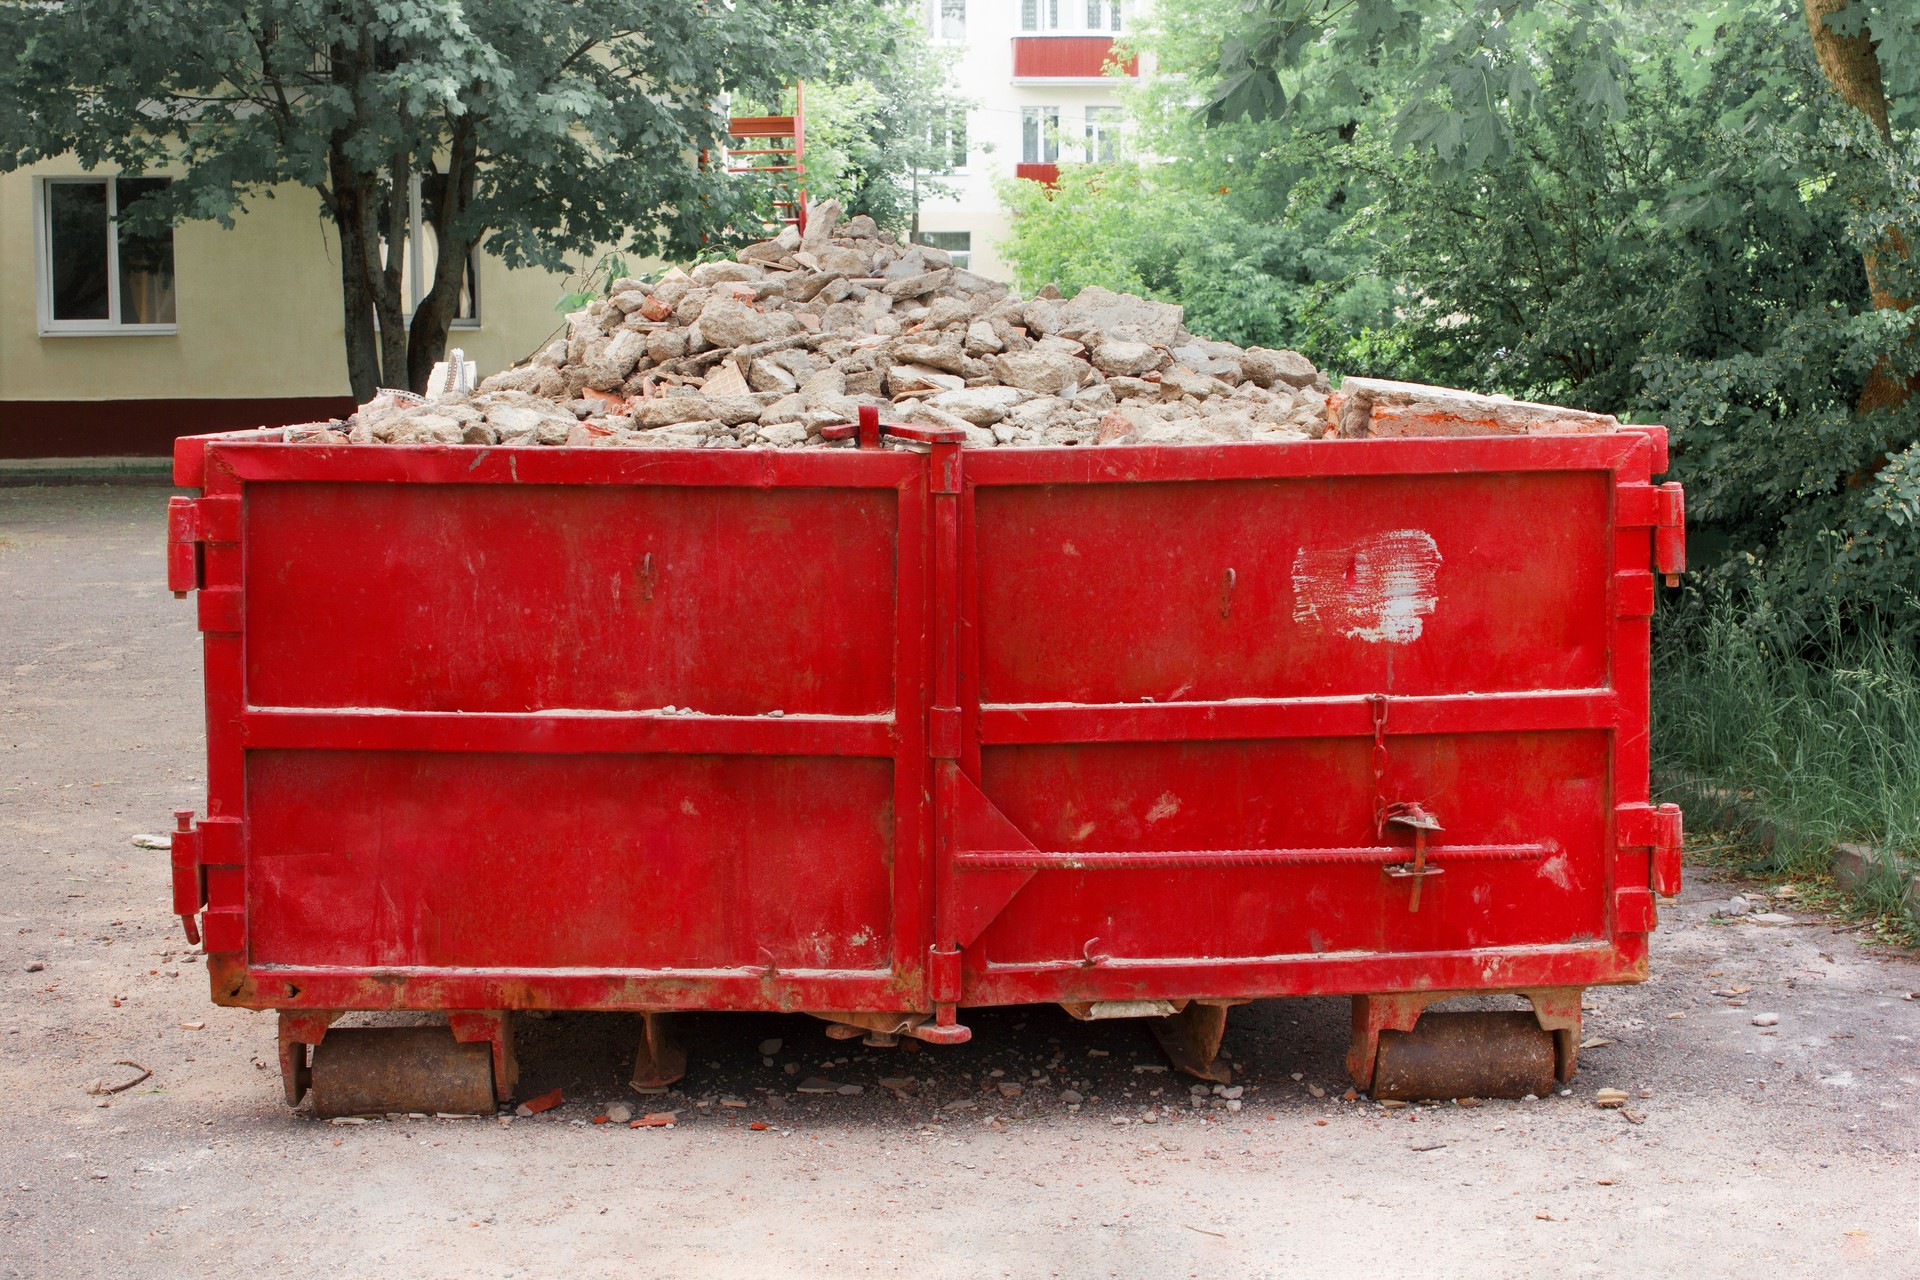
x=1041, y=372
x=1121, y=315
x=982, y=340
x=1182, y=381
x=1266, y=368
x=907, y=376
x=914, y=286
x=1118, y=357
x=950, y=359
x=1377, y=407
x=981, y=406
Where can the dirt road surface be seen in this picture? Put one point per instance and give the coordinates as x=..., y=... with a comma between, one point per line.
x=1783, y=1150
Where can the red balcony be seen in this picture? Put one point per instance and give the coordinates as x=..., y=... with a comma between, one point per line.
x=1045, y=173
x=1065, y=58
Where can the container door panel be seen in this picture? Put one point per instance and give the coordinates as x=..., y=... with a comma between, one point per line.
x=1316, y=793
x=1107, y=593
x=380, y=859
x=523, y=598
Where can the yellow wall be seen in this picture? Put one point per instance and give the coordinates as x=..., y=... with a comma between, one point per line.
x=258, y=311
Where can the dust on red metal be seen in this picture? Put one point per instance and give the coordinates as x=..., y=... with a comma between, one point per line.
x=871, y=730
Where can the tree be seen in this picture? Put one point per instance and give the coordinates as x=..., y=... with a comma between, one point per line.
x=884, y=120
x=1849, y=37
x=1686, y=248
x=543, y=130
x=1471, y=85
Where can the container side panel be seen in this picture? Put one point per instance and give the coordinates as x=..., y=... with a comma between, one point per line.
x=1487, y=789
x=390, y=858
x=1293, y=588
x=731, y=601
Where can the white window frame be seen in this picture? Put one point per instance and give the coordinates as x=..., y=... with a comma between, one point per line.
x=936, y=22
x=43, y=267
x=1096, y=127
x=1047, y=133
x=962, y=258
x=1046, y=16
x=1067, y=18
x=946, y=133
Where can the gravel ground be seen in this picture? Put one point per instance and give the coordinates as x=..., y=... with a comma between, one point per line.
x=1787, y=1150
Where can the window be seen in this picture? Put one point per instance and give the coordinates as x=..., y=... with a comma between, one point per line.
x=958, y=244
x=422, y=258
x=466, y=310
x=1103, y=134
x=1102, y=16
x=96, y=276
x=1040, y=15
x=1039, y=135
x=947, y=141
x=949, y=19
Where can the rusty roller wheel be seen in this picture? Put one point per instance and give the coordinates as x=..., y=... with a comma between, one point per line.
x=372, y=1070
x=1465, y=1055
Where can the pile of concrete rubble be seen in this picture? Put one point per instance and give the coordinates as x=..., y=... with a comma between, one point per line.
x=799, y=331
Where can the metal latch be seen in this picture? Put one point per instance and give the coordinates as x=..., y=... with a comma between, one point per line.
x=867, y=432
x=1416, y=818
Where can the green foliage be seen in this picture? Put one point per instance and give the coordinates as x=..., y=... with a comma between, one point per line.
x=1468, y=69
x=546, y=130
x=877, y=114
x=1788, y=753
x=597, y=282
x=1689, y=252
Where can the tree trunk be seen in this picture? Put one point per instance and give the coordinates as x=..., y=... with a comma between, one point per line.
x=390, y=289
x=1852, y=67
x=1849, y=63
x=346, y=199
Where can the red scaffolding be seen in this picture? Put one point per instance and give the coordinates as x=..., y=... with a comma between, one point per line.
x=777, y=146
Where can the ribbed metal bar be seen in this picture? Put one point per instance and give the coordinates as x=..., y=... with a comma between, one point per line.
x=1111, y=860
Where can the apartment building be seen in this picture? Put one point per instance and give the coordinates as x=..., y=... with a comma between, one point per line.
x=1039, y=75
x=112, y=343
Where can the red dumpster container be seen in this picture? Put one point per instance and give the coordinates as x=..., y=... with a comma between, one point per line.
x=882, y=735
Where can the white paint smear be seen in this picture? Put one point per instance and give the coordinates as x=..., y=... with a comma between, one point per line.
x=1377, y=589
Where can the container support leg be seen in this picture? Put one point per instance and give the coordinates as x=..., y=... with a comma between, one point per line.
x=495, y=1026
x=660, y=1061
x=1191, y=1039
x=301, y=1029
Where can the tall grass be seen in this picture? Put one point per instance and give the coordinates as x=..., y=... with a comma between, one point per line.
x=1790, y=753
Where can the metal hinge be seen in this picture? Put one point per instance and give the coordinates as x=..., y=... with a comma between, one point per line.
x=206, y=878
x=1670, y=532
x=189, y=886
x=183, y=548
x=194, y=524
x=191, y=524
x=1659, y=830
x=1663, y=508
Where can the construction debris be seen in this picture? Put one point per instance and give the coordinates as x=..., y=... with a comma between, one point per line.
x=798, y=332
